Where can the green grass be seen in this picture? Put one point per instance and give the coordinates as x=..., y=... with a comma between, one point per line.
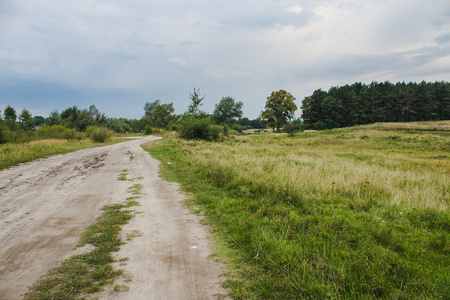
x=14, y=154
x=354, y=213
x=123, y=175
x=136, y=189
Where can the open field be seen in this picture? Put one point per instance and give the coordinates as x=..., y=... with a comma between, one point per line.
x=352, y=213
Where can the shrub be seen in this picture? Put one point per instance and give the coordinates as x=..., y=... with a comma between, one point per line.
x=5, y=134
x=101, y=135
x=193, y=128
x=148, y=130
x=237, y=127
x=225, y=130
x=215, y=132
x=290, y=129
x=58, y=132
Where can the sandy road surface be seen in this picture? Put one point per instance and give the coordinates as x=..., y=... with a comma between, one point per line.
x=45, y=205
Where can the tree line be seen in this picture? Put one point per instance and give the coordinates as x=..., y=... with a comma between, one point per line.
x=157, y=115
x=342, y=106
x=359, y=104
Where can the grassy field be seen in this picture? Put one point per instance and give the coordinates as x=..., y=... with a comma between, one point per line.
x=14, y=154
x=353, y=213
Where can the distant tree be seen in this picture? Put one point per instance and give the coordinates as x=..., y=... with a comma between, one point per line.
x=145, y=121
x=332, y=112
x=84, y=120
x=249, y=124
x=38, y=120
x=164, y=115
x=227, y=110
x=70, y=116
x=149, y=109
x=10, y=117
x=53, y=119
x=377, y=102
x=441, y=95
x=99, y=119
x=26, y=120
x=280, y=108
x=311, y=108
x=119, y=125
x=194, y=107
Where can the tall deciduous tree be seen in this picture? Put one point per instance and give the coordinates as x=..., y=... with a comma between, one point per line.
x=280, y=108
x=227, y=110
x=164, y=115
x=149, y=109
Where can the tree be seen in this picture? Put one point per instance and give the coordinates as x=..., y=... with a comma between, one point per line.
x=70, y=116
x=119, y=125
x=38, y=120
x=53, y=119
x=227, y=110
x=280, y=108
x=164, y=115
x=331, y=109
x=26, y=120
x=99, y=119
x=311, y=108
x=149, y=109
x=10, y=117
x=194, y=107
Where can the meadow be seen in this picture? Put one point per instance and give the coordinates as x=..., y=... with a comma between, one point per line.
x=351, y=213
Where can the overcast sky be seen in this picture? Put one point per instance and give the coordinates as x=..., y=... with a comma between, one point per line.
x=118, y=55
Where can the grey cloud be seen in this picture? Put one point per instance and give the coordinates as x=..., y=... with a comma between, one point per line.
x=361, y=65
x=443, y=38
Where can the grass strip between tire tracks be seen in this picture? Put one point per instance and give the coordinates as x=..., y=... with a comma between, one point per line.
x=88, y=273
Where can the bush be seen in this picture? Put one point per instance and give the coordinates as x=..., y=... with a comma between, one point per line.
x=225, y=130
x=290, y=129
x=101, y=135
x=237, y=127
x=215, y=132
x=58, y=132
x=148, y=130
x=193, y=128
x=5, y=134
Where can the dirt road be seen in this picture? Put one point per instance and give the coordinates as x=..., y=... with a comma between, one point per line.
x=45, y=205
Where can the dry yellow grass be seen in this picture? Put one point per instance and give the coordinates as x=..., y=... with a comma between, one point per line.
x=343, y=167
